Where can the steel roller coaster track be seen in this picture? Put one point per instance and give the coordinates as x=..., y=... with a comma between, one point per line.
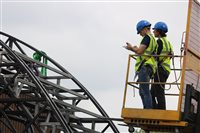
x=34, y=103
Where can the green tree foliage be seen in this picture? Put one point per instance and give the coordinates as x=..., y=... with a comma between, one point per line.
x=142, y=131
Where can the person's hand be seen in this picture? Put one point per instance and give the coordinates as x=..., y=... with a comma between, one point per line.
x=128, y=46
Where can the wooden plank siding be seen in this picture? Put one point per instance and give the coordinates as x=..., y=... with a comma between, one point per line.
x=193, y=51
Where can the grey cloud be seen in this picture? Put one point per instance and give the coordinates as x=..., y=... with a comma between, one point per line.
x=87, y=38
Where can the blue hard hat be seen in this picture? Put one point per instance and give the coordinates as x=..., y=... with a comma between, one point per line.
x=161, y=26
x=141, y=25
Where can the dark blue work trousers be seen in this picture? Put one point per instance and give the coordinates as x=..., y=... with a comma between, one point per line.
x=158, y=90
x=144, y=75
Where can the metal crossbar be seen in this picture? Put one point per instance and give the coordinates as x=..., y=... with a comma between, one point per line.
x=36, y=103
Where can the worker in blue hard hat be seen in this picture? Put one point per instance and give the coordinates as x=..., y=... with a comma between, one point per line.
x=163, y=62
x=145, y=65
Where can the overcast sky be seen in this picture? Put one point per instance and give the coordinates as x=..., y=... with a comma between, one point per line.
x=86, y=37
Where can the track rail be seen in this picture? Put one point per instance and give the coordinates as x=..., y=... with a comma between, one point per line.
x=43, y=103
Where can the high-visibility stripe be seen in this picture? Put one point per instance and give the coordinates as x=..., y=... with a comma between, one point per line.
x=147, y=60
x=165, y=64
x=167, y=49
